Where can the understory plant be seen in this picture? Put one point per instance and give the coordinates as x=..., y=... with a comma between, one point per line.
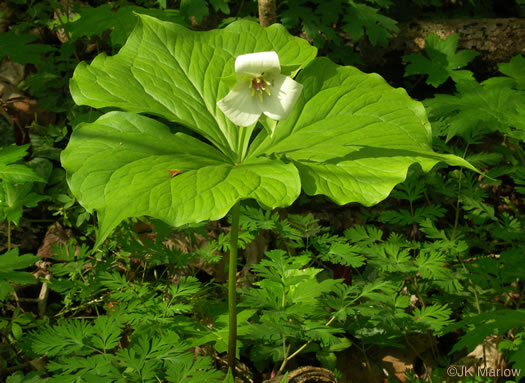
x=483, y=123
x=172, y=152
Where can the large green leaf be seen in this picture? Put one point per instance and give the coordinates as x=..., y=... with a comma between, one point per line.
x=127, y=165
x=351, y=135
x=167, y=70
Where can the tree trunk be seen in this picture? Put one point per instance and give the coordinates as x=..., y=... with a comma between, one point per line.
x=267, y=12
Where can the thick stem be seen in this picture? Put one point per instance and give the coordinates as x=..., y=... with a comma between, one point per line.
x=232, y=285
x=267, y=12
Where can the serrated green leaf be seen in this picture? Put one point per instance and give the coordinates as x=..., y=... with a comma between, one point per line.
x=435, y=317
x=364, y=233
x=479, y=108
x=67, y=337
x=361, y=18
x=442, y=62
x=12, y=261
x=514, y=69
x=19, y=174
x=518, y=357
x=351, y=135
x=431, y=265
x=485, y=324
x=19, y=49
x=221, y=5
x=344, y=254
x=14, y=197
x=12, y=153
x=5, y=288
x=121, y=21
x=107, y=331
x=187, y=369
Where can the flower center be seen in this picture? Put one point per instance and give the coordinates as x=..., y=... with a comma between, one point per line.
x=259, y=85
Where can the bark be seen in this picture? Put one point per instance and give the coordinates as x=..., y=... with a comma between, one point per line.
x=267, y=12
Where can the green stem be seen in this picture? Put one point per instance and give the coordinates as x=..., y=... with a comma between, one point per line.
x=8, y=235
x=232, y=285
x=286, y=358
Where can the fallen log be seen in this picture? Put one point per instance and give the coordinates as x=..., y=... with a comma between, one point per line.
x=497, y=40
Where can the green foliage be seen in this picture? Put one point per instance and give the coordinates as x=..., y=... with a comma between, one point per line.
x=442, y=63
x=362, y=18
x=86, y=351
x=16, y=184
x=18, y=47
x=289, y=298
x=271, y=169
x=479, y=109
x=317, y=19
x=12, y=263
x=120, y=22
x=443, y=254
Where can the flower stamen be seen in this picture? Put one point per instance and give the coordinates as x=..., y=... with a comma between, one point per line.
x=260, y=85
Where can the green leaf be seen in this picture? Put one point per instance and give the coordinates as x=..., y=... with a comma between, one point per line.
x=361, y=17
x=10, y=263
x=19, y=49
x=351, y=135
x=431, y=265
x=187, y=369
x=442, y=61
x=229, y=377
x=122, y=165
x=91, y=21
x=344, y=254
x=518, y=357
x=19, y=174
x=221, y=5
x=514, y=69
x=107, y=332
x=166, y=70
x=95, y=21
x=479, y=108
x=67, y=337
x=485, y=324
x=196, y=8
x=435, y=317
x=13, y=198
x=12, y=153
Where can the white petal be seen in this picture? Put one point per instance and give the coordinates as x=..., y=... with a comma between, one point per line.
x=255, y=64
x=239, y=105
x=285, y=93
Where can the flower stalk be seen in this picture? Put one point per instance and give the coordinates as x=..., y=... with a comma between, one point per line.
x=232, y=287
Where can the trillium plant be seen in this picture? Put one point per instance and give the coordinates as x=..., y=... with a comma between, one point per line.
x=185, y=139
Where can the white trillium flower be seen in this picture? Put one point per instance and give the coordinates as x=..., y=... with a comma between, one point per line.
x=260, y=88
